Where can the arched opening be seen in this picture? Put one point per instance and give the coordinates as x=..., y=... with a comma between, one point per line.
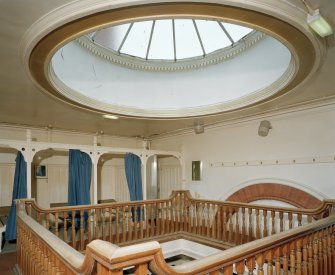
x=163, y=176
x=112, y=182
x=51, y=188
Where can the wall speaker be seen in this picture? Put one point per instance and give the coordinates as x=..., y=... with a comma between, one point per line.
x=264, y=128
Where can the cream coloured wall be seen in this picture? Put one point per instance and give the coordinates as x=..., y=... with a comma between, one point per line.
x=295, y=140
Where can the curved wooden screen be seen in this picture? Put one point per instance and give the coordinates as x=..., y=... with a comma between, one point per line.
x=275, y=191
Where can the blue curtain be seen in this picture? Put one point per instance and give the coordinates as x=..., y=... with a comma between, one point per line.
x=134, y=179
x=19, y=192
x=80, y=171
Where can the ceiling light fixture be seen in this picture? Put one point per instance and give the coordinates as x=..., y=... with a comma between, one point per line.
x=110, y=116
x=319, y=24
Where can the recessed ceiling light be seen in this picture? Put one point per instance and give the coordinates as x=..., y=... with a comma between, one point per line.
x=110, y=116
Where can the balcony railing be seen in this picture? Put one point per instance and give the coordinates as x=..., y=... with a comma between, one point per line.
x=274, y=238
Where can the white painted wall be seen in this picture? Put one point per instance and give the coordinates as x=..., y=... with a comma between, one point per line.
x=299, y=137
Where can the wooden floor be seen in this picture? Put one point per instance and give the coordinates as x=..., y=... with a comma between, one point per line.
x=7, y=263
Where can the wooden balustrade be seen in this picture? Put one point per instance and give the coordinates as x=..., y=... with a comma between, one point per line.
x=308, y=248
x=126, y=223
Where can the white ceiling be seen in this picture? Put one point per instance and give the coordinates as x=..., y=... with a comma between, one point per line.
x=22, y=103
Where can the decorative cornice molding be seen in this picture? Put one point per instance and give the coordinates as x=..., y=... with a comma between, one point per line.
x=189, y=64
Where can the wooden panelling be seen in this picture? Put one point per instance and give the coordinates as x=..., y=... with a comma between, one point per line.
x=7, y=171
x=169, y=179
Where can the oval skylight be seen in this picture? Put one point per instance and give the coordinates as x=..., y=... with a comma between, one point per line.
x=170, y=44
x=170, y=39
x=249, y=77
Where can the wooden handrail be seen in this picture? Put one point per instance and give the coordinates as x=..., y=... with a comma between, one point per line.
x=226, y=223
x=305, y=211
x=175, y=193
x=306, y=249
x=40, y=244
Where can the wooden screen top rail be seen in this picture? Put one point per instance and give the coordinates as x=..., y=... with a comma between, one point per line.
x=184, y=196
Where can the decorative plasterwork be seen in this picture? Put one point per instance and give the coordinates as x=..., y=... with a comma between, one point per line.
x=192, y=63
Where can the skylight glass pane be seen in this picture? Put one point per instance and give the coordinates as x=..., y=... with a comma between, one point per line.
x=236, y=31
x=137, y=41
x=162, y=41
x=187, y=42
x=212, y=36
x=111, y=37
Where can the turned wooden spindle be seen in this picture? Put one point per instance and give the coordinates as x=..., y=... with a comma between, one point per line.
x=158, y=222
x=315, y=253
x=230, y=232
x=162, y=211
x=243, y=231
x=309, y=218
x=285, y=251
x=329, y=251
x=81, y=230
x=305, y=255
x=228, y=270
x=219, y=223
x=56, y=224
x=265, y=223
x=96, y=224
x=167, y=217
x=277, y=254
x=250, y=235
x=325, y=250
x=240, y=267
x=117, y=225
x=251, y=264
x=124, y=226
x=65, y=227
x=269, y=260
x=110, y=224
x=260, y=263
x=310, y=253
x=130, y=219
x=281, y=221
x=320, y=249
x=146, y=221
x=73, y=232
x=237, y=227
x=290, y=217
x=152, y=219
x=208, y=220
x=224, y=234
x=273, y=220
x=103, y=220
x=213, y=218
x=142, y=220
x=196, y=218
x=299, y=255
x=299, y=219
x=257, y=225
x=134, y=229
x=292, y=258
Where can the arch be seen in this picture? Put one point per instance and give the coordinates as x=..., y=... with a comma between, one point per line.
x=275, y=191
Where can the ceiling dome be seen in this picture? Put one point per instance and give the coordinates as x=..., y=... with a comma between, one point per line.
x=153, y=61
